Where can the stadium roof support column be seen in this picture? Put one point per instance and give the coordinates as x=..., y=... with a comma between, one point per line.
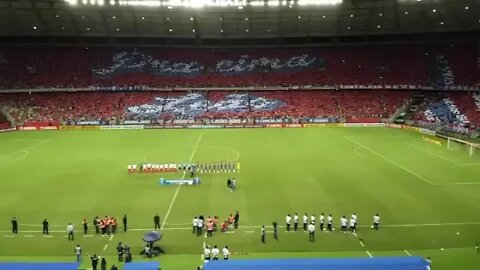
x=105, y=22
x=396, y=15
x=135, y=22
x=39, y=17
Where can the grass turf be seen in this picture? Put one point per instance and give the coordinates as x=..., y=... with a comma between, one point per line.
x=426, y=195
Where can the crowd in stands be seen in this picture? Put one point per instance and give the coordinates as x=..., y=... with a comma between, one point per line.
x=111, y=107
x=142, y=68
x=457, y=110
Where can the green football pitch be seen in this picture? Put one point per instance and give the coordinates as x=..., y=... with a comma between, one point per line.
x=427, y=195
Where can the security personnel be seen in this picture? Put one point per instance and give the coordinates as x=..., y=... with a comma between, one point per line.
x=120, y=251
x=85, y=226
x=14, y=225
x=94, y=259
x=114, y=225
x=275, y=230
x=45, y=226
x=96, y=224
x=237, y=217
x=263, y=234
x=156, y=221
x=124, y=220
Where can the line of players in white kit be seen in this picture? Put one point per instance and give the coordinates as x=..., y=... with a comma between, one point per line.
x=345, y=224
x=212, y=254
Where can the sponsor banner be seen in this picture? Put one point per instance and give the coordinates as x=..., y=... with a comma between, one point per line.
x=314, y=125
x=176, y=126
x=183, y=121
x=27, y=128
x=254, y=126
x=364, y=124
x=80, y=128
x=38, y=128
x=7, y=130
x=228, y=121
x=88, y=123
x=363, y=120
x=234, y=126
x=294, y=125
x=49, y=128
x=437, y=142
x=427, y=132
x=410, y=128
x=318, y=120
x=136, y=122
x=395, y=126
x=153, y=127
x=268, y=121
x=121, y=127
x=274, y=125
x=204, y=126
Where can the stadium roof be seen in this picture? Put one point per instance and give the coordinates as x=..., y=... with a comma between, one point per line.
x=234, y=19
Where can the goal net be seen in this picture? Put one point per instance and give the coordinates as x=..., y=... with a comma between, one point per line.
x=458, y=145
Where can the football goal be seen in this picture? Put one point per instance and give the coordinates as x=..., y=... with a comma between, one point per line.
x=458, y=145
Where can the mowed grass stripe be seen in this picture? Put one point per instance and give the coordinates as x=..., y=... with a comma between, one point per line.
x=83, y=174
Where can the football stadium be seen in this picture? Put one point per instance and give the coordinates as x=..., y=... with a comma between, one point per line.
x=239, y=134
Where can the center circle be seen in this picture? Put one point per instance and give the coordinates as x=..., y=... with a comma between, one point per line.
x=201, y=154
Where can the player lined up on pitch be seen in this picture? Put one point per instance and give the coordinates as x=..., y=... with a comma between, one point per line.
x=346, y=225
x=212, y=254
x=211, y=224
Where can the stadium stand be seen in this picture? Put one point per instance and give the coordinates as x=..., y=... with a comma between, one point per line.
x=67, y=67
x=51, y=109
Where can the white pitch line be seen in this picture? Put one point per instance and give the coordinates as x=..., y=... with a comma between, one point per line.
x=369, y=254
x=361, y=244
x=88, y=235
x=47, y=236
x=111, y=237
x=40, y=225
x=105, y=247
x=258, y=226
x=249, y=231
x=29, y=235
x=179, y=186
x=9, y=235
x=391, y=161
x=409, y=255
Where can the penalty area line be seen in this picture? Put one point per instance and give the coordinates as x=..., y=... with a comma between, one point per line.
x=391, y=161
x=408, y=253
x=179, y=186
x=369, y=254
